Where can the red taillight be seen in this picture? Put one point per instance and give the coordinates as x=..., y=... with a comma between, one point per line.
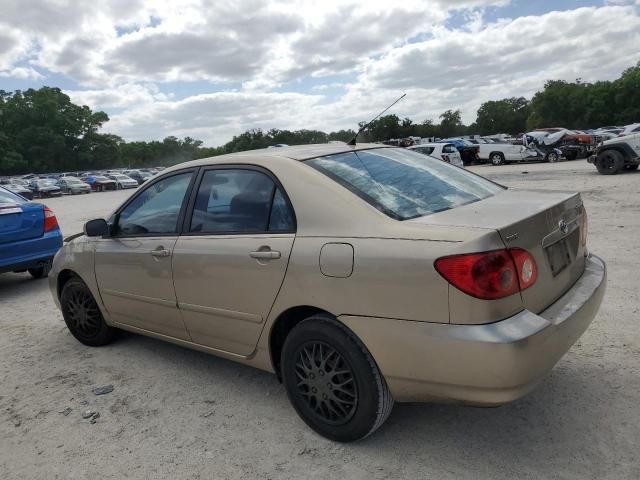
x=50, y=220
x=489, y=275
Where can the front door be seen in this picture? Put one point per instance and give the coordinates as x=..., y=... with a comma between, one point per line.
x=133, y=266
x=232, y=258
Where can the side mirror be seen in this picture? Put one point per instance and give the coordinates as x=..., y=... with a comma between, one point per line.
x=96, y=228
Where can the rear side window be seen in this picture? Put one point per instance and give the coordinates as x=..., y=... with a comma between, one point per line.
x=240, y=201
x=404, y=184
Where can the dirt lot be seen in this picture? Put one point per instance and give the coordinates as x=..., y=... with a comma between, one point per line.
x=176, y=413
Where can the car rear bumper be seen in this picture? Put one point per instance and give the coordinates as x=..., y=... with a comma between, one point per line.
x=489, y=364
x=30, y=253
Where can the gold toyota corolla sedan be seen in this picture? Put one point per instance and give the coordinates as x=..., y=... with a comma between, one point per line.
x=360, y=275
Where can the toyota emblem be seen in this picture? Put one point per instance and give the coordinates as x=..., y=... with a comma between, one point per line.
x=563, y=226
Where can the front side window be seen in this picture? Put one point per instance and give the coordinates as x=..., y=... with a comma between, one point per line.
x=239, y=201
x=156, y=209
x=404, y=184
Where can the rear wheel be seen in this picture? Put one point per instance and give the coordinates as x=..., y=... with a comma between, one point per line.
x=609, y=162
x=42, y=271
x=332, y=381
x=82, y=315
x=497, y=158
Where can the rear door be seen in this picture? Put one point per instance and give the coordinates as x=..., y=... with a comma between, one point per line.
x=231, y=260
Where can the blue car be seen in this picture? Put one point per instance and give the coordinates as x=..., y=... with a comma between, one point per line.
x=29, y=235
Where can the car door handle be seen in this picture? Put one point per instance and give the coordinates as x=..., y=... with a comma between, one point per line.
x=160, y=252
x=266, y=254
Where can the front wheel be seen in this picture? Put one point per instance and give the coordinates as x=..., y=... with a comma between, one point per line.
x=82, y=315
x=552, y=157
x=332, y=380
x=609, y=162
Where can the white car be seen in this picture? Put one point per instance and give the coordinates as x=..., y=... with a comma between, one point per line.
x=446, y=152
x=499, y=153
x=629, y=129
x=122, y=181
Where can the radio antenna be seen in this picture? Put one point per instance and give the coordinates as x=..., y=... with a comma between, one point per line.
x=353, y=140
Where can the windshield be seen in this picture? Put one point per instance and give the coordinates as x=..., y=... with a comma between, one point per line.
x=404, y=184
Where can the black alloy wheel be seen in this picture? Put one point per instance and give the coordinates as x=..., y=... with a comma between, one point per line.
x=82, y=314
x=333, y=381
x=609, y=162
x=326, y=382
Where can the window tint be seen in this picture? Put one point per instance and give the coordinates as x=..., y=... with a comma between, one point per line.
x=239, y=201
x=404, y=184
x=156, y=209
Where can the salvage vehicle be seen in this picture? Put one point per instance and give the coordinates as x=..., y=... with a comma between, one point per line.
x=73, y=185
x=629, y=129
x=500, y=153
x=446, y=152
x=139, y=176
x=359, y=274
x=29, y=235
x=617, y=155
x=122, y=181
x=44, y=187
x=572, y=144
x=99, y=183
x=468, y=150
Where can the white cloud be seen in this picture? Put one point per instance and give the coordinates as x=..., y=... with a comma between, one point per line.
x=123, y=54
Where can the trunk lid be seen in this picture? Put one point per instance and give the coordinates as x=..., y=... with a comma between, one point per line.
x=21, y=222
x=545, y=223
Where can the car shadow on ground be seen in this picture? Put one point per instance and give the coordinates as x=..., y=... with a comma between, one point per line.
x=522, y=430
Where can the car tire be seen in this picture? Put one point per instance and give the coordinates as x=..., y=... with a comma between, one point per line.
x=497, y=158
x=83, y=316
x=332, y=380
x=118, y=186
x=632, y=167
x=41, y=272
x=609, y=162
x=552, y=157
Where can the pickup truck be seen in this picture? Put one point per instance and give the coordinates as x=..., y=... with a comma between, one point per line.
x=500, y=153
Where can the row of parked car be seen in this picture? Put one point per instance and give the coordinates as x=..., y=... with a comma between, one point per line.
x=52, y=185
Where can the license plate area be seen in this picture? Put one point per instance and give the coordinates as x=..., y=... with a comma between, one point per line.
x=559, y=256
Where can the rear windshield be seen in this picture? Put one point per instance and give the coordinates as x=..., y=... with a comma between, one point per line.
x=8, y=197
x=404, y=184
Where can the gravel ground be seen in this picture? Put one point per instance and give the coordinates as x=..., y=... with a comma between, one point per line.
x=176, y=413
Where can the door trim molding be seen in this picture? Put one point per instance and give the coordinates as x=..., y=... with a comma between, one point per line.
x=220, y=312
x=139, y=298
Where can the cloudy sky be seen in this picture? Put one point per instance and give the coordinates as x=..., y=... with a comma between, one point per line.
x=214, y=68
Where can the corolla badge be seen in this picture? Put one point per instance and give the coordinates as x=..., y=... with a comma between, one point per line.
x=563, y=226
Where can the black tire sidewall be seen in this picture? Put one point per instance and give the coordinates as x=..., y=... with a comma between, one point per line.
x=327, y=331
x=105, y=334
x=618, y=161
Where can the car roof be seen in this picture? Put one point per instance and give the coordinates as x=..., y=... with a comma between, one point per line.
x=262, y=156
x=430, y=145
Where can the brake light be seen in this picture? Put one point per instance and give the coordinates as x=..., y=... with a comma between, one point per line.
x=50, y=220
x=489, y=275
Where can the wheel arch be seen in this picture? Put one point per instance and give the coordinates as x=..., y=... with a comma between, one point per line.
x=621, y=148
x=63, y=277
x=282, y=326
